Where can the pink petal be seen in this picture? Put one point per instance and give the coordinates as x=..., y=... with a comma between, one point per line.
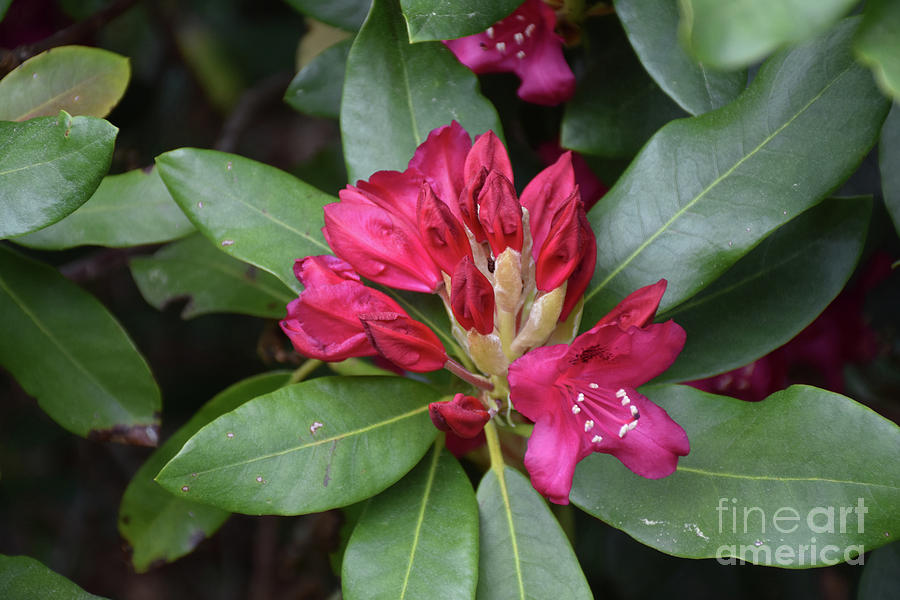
x=441, y=159
x=637, y=309
x=545, y=195
x=443, y=236
x=554, y=449
x=323, y=270
x=563, y=247
x=584, y=270
x=532, y=377
x=489, y=153
x=472, y=298
x=404, y=341
x=500, y=213
x=546, y=77
x=465, y=416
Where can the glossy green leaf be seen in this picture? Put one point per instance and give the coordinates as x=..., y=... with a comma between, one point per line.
x=160, y=526
x=4, y=4
x=50, y=166
x=881, y=578
x=888, y=159
x=435, y=20
x=250, y=210
x=807, y=467
x=316, y=89
x=309, y=447
x=395, y=93
x=417, y=539
x=706, y=190
x=617, y=107
x=729, y=34
x=772, y=293
x=652, y=28
x=130, y=209
x=77, y=79
x=524, y=552
x=878, y=43
x=24, y=578
x=212, y=281
x=66, y=350
x=346, y=14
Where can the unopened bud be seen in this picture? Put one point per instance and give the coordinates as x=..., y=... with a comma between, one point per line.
x=472, y=297
x=442, y=234
x=464, y=415
x=405, y=342
x=542, y=319
x=508, y=280
x=487, y=352
x=500, y=213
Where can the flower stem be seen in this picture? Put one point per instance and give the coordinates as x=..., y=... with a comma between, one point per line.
x=493, y=444
x=304, y=370
x=467, y=376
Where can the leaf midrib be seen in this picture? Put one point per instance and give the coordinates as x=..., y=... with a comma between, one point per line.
x=429, y=484
x=36, y=110
x=725, y=475
x=680, y=212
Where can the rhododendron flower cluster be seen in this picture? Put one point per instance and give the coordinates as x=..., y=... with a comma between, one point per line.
x=511, y=271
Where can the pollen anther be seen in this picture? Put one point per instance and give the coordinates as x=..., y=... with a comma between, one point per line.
x=593, y=386
x=634, y=412
x=623, y=430
x=576, y=409
x=597, y=439
x=580, y=397
x=520, y=39
x=520, y=55
x=501, y=47
x=490, y=33
x=626, y=401
x=620, y=394
x=588, y=425
x=529, y=29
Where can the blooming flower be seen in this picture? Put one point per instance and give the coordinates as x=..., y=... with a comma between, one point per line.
x=582, y=397
x=523, y=43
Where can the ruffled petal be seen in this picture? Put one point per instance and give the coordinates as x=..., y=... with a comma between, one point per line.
x=637, y=309
x=441, y=159
x=404, y=341
x=545, y=195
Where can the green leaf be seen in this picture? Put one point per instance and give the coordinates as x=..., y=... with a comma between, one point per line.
x=130, y=209
x=616, y=107
x=65, y=349
x=729, y=34
x=212, y=281
x=706, y=190
x=772, y=293
x=524, y=552
x=4, y=4
x=888, y=159
x=309, y=447
x=417, y=539
x=77, y=79
x=346, y=14
x=250, y=210
x=24, y=578
x=878, y=43
x=652, y=28
x=435, y=20
x=395, y=93
x=159, y=526
x=881, y=578
x=794, y=462
x=50, y=166
x=315, y=90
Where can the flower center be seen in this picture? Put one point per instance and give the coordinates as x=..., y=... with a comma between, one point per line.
x=510, y=36
x=602, y=412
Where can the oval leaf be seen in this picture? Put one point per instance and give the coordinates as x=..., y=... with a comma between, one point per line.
x=435, y=20
x=888, y=159
x=65, y=349
x=417, y=539
x=771, y=294
x=881, y=578
x=22, y=577
x=315, y=90
x=314, y=446
x=878, y=43
x=729, y=34
x=395, y=93
x=49, y=167
x=77, y=79
x=524, y=552
x=130, y=209
x=807, y=467
x=160, y=526
x=652, y=28
x=212, y=281
x=706, y=190
x=250, y=210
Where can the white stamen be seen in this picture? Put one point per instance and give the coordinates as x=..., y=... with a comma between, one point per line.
x=621, y=393
x=593, y=386
x=632, y=425
x=501, y=47
x=576, y=409
x=580, y=397
x=626, y=401
x=520, y=17
x=490, y=33
x=588, y=425
x=623, y=431
x=520, y=55
x=634, y=412
x=520, y=39
x=530, y=29
x=597, y=439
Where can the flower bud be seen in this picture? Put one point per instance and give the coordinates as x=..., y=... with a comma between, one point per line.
x=488, y=153
x=487, y=352
x=541, y=321
x=464, y=416
x=500, y=213
x=468, y=204
x=472, y=297
x=508, y=280
x=442, y=234
x=563, y=247
x=404, y=341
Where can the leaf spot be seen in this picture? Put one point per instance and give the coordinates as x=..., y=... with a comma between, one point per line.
x=226, y=243
x=228, y=166
x=315, y=427
x=185, y=488
x=230, y=435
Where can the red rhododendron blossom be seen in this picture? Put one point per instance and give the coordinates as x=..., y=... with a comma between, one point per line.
x=404, y=341
x=464, y=416
x=582, y=397
x=523, y=43
x=322, y=322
